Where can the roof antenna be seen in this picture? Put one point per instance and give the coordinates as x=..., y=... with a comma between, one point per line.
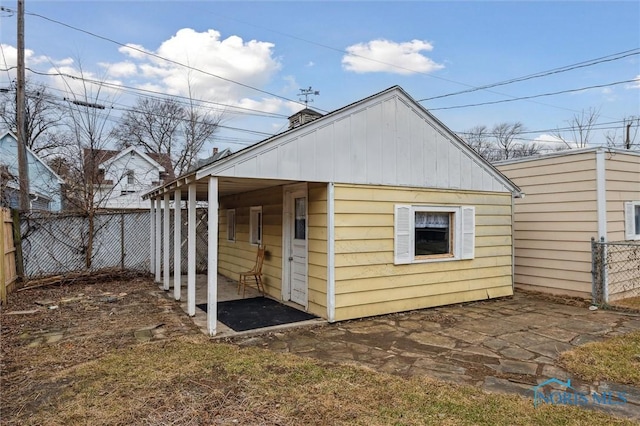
x=306, y=93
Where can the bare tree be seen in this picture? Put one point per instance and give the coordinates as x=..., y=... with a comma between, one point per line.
x=525, y=149
x=505, y=135
x=168, y=127
x=580, y=128
x=479, y=139
x=89, y=130
x=628, y=138
x=43, y=117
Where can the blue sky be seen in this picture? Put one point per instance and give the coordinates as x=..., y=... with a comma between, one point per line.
x=346, y=50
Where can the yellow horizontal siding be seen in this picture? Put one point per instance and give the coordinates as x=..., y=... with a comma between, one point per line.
x=239, y=255
x=453, y=268
x=317, y=249
x=400, y=305
x=368, y=281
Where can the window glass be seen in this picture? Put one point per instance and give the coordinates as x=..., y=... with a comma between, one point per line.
x=636, y=217
x=255, y=224
x=231, y=225
x=301, y=218
x=432, y=233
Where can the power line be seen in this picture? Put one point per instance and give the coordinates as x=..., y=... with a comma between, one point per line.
x=472, y=88
x=535, y=96
x=154, y=55
x=162, y=95
x=603, y=59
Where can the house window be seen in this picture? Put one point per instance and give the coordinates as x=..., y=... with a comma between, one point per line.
x=632, y=220
x=255, y=225
x=130, y=177
x=300, y=208
x=231, y=225
x=433, y=233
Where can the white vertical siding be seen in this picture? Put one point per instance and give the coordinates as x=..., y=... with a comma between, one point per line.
x=385, y=140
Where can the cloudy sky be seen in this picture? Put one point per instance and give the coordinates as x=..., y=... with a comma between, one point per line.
x=250, y=60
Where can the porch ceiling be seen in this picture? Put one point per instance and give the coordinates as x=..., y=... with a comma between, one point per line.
x=226, y=186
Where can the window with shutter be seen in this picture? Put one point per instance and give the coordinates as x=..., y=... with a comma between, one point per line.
x=433, y=233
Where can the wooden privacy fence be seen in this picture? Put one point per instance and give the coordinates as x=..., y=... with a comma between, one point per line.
x=8, y=273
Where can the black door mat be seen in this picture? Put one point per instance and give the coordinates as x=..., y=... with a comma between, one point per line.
x=256, y=312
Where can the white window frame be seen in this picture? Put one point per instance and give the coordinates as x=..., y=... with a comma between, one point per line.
x=462, y=228
x=231, y=225
x=255, y=225
x=631, y=231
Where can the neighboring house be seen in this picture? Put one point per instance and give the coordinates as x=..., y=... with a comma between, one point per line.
x=44, y=183
x=215, y=156
x=571, y=197
x=373, y=208
x=123, y=176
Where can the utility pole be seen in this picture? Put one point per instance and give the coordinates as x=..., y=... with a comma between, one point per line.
x=23, y=166
x=627, y=143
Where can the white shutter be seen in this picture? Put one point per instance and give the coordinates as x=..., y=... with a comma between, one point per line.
x=402, y=234
x=468, y=232
x=629, y=221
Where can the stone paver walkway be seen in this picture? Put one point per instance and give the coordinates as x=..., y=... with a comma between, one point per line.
x=508, y=345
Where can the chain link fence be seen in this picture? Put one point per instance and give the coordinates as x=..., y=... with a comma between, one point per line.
x=615, y=272
x=57, y=244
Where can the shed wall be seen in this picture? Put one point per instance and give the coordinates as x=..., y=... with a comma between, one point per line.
x=367, y=281
x=240, y=255
x=622, y=184
x=555, y=222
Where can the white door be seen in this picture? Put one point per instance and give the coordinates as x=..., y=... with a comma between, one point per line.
x=296, y=203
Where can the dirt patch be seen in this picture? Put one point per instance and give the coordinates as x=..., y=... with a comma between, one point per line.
x=64, y=326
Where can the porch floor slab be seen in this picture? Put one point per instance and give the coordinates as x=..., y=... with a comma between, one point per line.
x=227, y=291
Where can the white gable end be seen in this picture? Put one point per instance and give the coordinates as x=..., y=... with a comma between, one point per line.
x=383, y=140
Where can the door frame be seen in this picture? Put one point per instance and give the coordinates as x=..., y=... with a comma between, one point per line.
x=287, y=218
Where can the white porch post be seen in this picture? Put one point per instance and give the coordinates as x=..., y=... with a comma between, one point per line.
x=177, y=244
x=152, y=239
x=191, y=252
x=158, y=239
x=165, y=241
x=212, y=258
x=331, y=241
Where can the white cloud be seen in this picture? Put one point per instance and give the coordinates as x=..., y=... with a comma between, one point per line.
x=134, y=51
x=10, y=58
x=213, y=64
x=310, y=64
x=635, y=84
x=549, y=142
x=391, y=57
x=120, y=69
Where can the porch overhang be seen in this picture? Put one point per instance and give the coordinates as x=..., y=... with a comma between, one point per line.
x=226, y=186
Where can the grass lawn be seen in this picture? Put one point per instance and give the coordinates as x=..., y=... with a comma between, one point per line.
x=191, y=380
x=631, y=302
x=616, y=359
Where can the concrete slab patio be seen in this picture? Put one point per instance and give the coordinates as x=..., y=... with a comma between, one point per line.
x=508, y=345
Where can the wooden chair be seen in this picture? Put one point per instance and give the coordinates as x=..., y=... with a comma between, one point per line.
x=255, y=273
